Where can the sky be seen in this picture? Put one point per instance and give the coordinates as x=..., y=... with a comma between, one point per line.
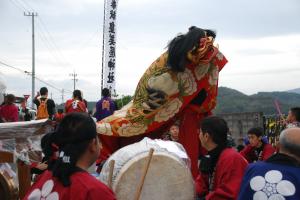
x=260, y=38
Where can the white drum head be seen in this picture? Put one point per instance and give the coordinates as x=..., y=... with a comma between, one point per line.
x=167, y=179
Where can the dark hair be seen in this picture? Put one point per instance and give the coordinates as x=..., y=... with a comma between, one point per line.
x=43, y=91
x=256, y=131
x=217, y=128
x=10, y=99
x=48, y=150
x=77, y=93
x=105, y=92
x=182, y=44
x=296, y=112
x=72, y=138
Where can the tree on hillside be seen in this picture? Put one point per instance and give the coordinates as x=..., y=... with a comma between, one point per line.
x=123, y=101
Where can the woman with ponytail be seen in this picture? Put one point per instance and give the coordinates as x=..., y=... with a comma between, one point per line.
x=77, y=147
x=76, y=104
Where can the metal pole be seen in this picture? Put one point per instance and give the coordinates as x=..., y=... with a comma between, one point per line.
x=62, y=96
x=74, y=75
x=103, y=34
x=33, y=61
x=33, y=58
x=74, y=82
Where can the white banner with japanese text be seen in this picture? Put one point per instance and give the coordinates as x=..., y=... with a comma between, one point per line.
x=109, y=62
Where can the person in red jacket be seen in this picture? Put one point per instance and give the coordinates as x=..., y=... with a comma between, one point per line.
x=9, y=111
x=222, y=170
x=258, y=149
x=68, y=179
x=76, y=104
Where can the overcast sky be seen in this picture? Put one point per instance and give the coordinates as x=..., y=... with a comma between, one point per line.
x=260, y=38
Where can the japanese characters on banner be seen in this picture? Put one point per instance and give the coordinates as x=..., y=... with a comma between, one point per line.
x=109, y=64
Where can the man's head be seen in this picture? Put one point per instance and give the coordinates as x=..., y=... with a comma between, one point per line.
x=44, y=91
x=290, y=142
x=213, y=133
x=294, y=115
x=10, y=99
x=105, y=92
x=174, y=132
x=255, y=136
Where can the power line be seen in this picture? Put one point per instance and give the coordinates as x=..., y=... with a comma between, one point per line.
x=53, y=42
x=27, y=4
x=19, y=6
x=20, y=70
x=37, y=78
x=46, y=43
x=42, y=32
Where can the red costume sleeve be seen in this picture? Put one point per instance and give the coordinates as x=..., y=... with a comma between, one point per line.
x=267, y=152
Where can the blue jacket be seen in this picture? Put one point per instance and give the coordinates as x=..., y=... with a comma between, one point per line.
x=279, y=177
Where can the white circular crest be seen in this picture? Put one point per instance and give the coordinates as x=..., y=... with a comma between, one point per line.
x=286, y=188
x=273, y=176
x=257, y=183
x=260, y=196
x=35, y=195
x=276, y=197
x=47, y=188
x=53, y=196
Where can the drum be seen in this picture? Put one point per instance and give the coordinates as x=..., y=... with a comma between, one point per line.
x=168, y=176
x=8, y=186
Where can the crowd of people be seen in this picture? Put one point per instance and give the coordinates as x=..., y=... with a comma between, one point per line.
x=258, y=169
x=257, y=172
x=46, y=107
x=177, y=93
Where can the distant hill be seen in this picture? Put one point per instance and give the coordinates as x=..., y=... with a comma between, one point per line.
x=233, y=101
x=230, y=101
x=297, y=90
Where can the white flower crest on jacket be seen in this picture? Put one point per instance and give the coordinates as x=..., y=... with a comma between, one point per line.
x=44, y=194
x=271, y=187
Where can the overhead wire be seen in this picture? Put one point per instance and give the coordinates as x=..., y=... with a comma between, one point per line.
x=43, y=38
x=48, y=42
x=37, y=78
x=56, y=53
x=18, y=5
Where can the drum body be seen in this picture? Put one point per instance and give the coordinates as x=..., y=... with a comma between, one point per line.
x=168, y=176
x=8, y=187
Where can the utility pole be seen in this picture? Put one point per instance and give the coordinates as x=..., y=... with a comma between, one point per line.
x=74, y=75
x=33, y=57
x=62, y=96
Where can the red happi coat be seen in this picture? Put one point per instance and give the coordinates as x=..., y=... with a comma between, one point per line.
x=83, y=186
x=249, y=154
x=227, y=179
x=73, y=105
